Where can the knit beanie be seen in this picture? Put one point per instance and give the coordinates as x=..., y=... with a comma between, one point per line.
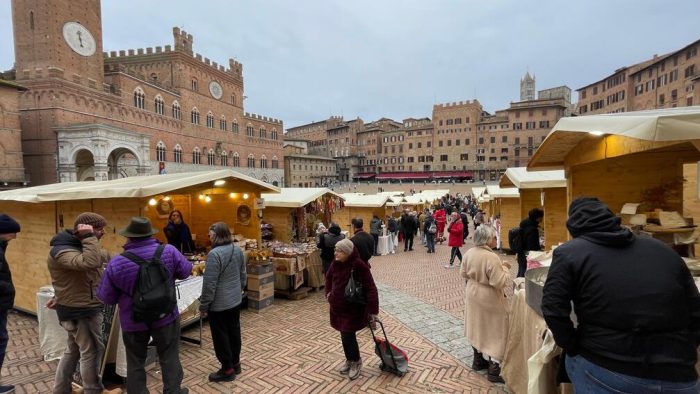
x=346, y=246
x=8, y=225
x=91, y=218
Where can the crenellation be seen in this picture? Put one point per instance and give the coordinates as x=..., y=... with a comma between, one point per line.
x=131, y=52
x=207, y=61
x=139, y=51
x=168, y=48
x=159, y=49
x=198, y=56
x=149, y=51
x=122, y=53
x=112, y=53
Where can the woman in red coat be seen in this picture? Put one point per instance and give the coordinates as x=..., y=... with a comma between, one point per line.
x=440, y=219
x=346, y=317
x=456, y=239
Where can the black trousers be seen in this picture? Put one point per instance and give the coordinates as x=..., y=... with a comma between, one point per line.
x=455, y=252
x=350, y=346
x=522, y=264
x=376, y=242
x=407, y=241
x=226, y=335
x=167, y=340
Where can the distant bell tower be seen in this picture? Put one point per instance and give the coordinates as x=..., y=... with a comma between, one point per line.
x=58, y=39
x=527, y=87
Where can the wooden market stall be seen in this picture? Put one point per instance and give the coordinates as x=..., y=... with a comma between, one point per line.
x=394, y=206
x=295, y=211
x=363, y=207
x=538, y=189
x=505, y=203
x=203, y=198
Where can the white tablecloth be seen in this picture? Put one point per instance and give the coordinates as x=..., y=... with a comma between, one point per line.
x=383, y=247
x=52, y=337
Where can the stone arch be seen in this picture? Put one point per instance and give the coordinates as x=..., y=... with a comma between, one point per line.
x=123, y=162
x=84, y=164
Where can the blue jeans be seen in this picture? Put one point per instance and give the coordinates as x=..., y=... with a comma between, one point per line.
x=4, y=338
x=430, y=238
x=590, y=378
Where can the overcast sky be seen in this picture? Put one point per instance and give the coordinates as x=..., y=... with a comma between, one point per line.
x=306, y=60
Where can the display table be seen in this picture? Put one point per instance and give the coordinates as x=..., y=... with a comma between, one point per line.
x=383, y=245
x=314, y=270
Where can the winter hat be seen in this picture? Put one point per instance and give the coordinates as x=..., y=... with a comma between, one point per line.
x=8, y=225
x=334, y=229
x=588, y=214
x=346, y=246
x=90, y=218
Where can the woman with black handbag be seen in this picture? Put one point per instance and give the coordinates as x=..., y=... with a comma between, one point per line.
x=353, y=299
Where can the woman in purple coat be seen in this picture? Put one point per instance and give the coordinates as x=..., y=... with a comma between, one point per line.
x=346, y=317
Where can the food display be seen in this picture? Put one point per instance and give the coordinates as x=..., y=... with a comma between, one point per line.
x=257, y=255
x=198, y=262
x=281, y=249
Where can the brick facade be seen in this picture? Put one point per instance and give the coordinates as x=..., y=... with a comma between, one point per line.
x=11, y=158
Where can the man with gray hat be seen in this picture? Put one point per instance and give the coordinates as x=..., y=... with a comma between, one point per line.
x=118, y=286
x=75, y=263
x=8, y=231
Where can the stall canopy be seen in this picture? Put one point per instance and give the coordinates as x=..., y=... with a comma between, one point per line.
x=495, y=191
x=478, y=191
x=521, y=178
x=395, y=201
x=370, y=201
x=296, y=197
x=140, y=186
x=665, y=125
x=394, y=193
x=415, y=199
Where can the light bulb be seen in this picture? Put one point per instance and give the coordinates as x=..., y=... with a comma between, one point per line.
x=596, y=133
x=220, y=182
x=207, y=199
x=201, y=196
x=232, y=195
x=152, y=202
x=166, y=198
x=245, y=196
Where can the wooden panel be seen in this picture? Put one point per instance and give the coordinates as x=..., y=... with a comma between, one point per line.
x=529, y=199
x=281, y=220
x=555, y=215
x=510, y=218
x=691, y=200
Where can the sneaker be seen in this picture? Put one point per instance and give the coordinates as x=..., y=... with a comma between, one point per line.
x=355, y=369
x=449, y=265
x=343, y=370
x=7, y=389
x=222, y=376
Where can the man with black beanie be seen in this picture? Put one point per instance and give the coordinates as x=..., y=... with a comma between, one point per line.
x=8, y=231
x=637, y=306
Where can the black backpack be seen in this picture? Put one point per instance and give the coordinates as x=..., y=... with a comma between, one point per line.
x=515, y=239
x=154, y=292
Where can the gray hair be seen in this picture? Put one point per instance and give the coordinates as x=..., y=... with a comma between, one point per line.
x=483, y=235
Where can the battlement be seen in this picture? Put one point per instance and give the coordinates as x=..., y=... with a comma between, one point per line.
x=263, y=118
x=465, y=103
x=137, y=52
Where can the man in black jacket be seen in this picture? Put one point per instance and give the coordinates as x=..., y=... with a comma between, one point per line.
x=529, y=228
x=326, y=243
x=8, y=231
x=637, y=307
x=362, y=241
x=409, y=227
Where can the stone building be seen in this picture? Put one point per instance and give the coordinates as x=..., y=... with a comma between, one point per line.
x=316, y=133
x=665, y=81
x=12, y=172
x=89, y=114
x=304, y=170
x=527, y=87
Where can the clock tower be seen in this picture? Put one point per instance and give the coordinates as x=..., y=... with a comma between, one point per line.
x=58, y=39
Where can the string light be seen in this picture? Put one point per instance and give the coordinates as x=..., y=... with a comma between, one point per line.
x=219, y=182
x=152, y=202
x=245, y=196
x=201, y=196
x=166, y=198
x=232, y=195
x=207, y=198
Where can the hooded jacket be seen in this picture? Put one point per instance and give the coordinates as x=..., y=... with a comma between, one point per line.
x=7, y=289
x=327, y=242
x=531, y=235
x=76, y=266
x=637, y=306
x=375, y=226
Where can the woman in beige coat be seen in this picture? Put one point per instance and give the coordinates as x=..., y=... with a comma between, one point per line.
x=486, y=317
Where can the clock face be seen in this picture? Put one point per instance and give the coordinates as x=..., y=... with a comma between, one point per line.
x=216, y=90
x=79, y=39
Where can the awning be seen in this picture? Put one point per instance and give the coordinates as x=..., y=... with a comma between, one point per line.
x=370, y=201
x=453, y=174
x=495, y=191
x=521, y=178
x=296, y=197
x=367, y=175
x=403, y=175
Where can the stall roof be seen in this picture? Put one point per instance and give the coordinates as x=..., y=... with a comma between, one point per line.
x=478, y=191
x=414, y=199
x=495, y=191
x=673, y=124
x=370, y=201
x=521, y=178
x=139, y=186
x=296, y=197
x=395, y=193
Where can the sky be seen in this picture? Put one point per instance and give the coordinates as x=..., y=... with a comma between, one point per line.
x=305, y=60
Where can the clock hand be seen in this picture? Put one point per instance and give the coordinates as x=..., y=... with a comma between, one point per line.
x=80, y=38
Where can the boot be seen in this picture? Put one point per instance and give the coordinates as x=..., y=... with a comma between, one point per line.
x=494, y=373
x=479, y=363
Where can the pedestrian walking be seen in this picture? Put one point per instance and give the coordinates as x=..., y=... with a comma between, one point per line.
x=222, y=286
x=430, y=229
x=455, y=240
x=8, y=231
x=408, y=225
x=118, y=286
x=345, y=316
x=393, y=228
x=75, y=264
x=486, y=307
x=326, y=243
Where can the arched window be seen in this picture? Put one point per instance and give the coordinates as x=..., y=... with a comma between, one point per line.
x=233, y=99
x=177, y=153
x=211, y=157
x=139, y=98
x=224, y=159
x=176, y=110
x=236, y=159
x=222, y=123
x=275, y=162
x=274, y=134
x=194, y=116
x=263, y=162
x=196, y=156
x=234, y=126
x=195, y=85
x=160, y=151
x=210, y=120
x=249, y=131
x=251, y=161
x=159, y=105
x=262, y=133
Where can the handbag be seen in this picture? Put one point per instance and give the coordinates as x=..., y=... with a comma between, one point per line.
x=354, y=292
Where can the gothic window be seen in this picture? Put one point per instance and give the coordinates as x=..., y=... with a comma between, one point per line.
x=263, y=162
x=196, y=156
x=139, y=98
x=224, y=159
x=262, y=133
x=249, y=131
x=177, y=153
x=251, y=161
x=233, y=99
x=159, y=105
x=194, y=116
x=275, y=162
x=222, y=123
x=234, y=126
x=274, y=134
x=210, y=120
x=176, y=110
x=211, y=158
x=236, y=159
x=195, y=86
x=160, y=151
